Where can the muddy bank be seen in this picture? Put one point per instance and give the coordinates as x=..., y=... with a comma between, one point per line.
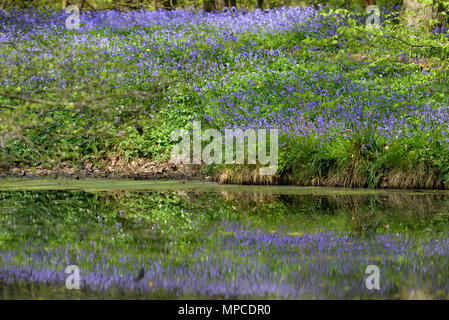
x=116, y=167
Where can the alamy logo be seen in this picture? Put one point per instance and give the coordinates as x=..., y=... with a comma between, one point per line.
x=73, y=20
x=373, y=280
x=212, y=153
x=73, y=280
x=373, y=20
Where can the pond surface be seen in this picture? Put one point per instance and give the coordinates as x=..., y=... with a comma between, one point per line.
x=181, y=239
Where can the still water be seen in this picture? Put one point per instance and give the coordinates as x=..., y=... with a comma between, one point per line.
x=181, y=239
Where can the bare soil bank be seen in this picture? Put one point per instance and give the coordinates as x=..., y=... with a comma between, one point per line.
x=116, y=167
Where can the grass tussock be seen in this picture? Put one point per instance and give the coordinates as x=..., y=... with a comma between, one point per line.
x=244, y=175
x=353, y=176
x=350, y=177
x=417, y=178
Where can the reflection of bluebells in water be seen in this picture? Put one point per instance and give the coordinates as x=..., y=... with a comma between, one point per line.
x=241, y=261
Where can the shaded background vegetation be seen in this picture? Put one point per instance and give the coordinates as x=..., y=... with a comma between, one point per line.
x=206, y=4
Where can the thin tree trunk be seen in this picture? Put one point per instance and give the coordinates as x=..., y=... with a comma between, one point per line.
x=367, y=3
x=230, y=3
x=213, y=5
x=64, y=4
x=415, y=13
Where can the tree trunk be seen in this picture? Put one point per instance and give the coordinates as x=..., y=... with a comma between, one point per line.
x=415, y=13
x=260, y=4
x=367, y=3
x=213, y=5
x=230, y=3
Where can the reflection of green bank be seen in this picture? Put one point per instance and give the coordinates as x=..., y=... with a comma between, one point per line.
x=205, y=225
x=193, y=185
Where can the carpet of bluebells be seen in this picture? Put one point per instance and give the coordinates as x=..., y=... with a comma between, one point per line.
x=296, y=69
x=190, y=244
